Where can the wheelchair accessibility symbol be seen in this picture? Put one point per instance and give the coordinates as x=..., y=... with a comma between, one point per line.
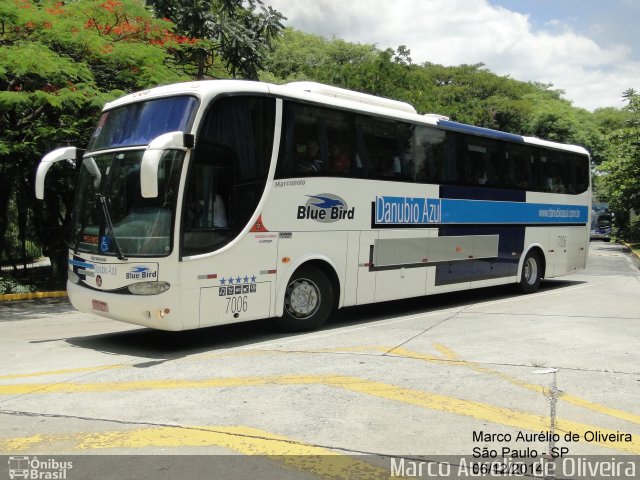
x=105, y=244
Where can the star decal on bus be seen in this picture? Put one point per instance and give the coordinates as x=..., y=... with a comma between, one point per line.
x=237, y=280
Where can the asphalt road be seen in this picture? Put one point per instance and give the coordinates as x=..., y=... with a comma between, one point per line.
x=395, y=382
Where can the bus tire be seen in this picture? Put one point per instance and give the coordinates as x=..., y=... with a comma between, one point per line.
x=308, y=300
x=531, y=275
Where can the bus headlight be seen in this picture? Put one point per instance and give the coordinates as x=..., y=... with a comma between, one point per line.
x=149, y=288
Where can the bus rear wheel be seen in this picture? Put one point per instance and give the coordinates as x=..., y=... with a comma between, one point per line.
x=531, y=273
x=308, y=300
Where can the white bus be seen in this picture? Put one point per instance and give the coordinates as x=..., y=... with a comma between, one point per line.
x=214, y=202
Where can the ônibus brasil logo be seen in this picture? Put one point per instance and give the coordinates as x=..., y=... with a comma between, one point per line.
x=325, y=208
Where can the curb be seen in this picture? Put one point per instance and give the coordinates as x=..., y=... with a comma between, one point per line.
x=31, y=296
x=634, y=252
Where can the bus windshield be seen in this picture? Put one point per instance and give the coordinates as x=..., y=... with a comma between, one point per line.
x=139, y=123
x=111, y=216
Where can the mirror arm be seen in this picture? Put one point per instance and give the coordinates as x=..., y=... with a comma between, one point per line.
x=66, y=153
x=153, y=154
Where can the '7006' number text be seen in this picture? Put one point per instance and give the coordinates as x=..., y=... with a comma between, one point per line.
x=237, y=304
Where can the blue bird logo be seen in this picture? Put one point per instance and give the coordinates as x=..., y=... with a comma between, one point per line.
x=326, y=202
x=140, y=269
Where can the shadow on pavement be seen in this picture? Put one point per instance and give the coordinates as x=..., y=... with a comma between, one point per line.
x=161, y=346
x=28, y=309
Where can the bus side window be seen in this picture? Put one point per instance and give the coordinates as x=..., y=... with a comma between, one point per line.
x=580, y=166
x=314, y=142
x=428, y=151
x=363, y=165
x=518, y=167
x=228, y=171
x=541, y=170
x=383, y=148
x=339, y=161
x=341, y=144
x=206, y=205
x=406, y=170
x=450, y=168
x=288, y=149
x=553, y=173
x=483, y=161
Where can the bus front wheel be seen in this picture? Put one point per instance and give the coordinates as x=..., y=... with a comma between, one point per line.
x=531, y=273
x=308, y=300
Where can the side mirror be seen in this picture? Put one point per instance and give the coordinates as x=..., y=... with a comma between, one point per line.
x=72, y=154
x=153, y=154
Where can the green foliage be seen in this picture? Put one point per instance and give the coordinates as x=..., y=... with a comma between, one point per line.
x=59, y=63
x=13, y=250
x=235, y=32
x=9, y=285
x=632, y=234
x=619, y=179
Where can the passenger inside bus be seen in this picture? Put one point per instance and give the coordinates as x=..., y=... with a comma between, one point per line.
x=478, y=175
x=310, y=161
x=388, y=164
x=339, y=163
x=554, y=181
x=205, y=210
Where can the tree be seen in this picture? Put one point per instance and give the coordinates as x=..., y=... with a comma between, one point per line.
x=620, y=180
x=364, y=68
x=238, y=33
x=59, y=63
x=301, y=56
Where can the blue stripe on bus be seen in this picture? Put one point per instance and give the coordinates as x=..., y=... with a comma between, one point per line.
x=482, y=193
x=418, y=211
x=484, y=132
x=81, y=264
x=482, y=211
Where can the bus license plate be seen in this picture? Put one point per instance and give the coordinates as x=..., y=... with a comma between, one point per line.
x=99, y=306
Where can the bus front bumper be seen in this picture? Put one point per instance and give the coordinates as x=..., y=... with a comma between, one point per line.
x=155, y=311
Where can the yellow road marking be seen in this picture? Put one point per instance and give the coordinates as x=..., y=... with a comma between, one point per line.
x=450, y=355
x=486, y=412
x=480, y=411
x=61, y=372
x=71, y=387
x=250, y=441
x=427, y=400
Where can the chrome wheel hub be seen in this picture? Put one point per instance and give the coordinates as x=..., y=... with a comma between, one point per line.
x=303, y=298
x=530, y=271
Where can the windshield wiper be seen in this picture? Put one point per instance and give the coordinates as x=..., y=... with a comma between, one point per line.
x=78, y=236
x=90, y=164
x=107, y=217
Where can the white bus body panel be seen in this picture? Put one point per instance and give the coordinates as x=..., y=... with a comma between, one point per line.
x=232, y=285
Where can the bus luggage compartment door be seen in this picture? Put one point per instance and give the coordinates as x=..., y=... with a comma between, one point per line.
x=235, y=302
x=400, y=257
